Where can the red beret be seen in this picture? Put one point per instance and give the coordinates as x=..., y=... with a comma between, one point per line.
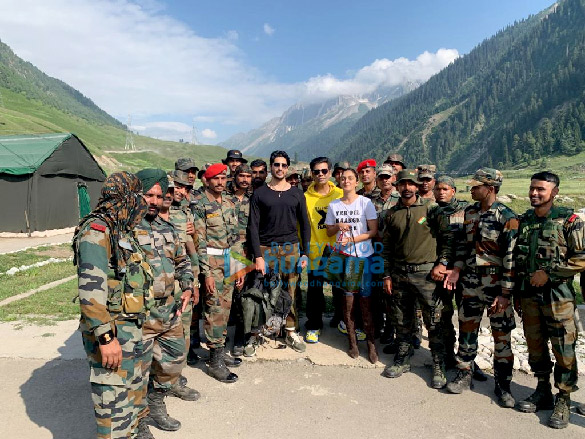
x=370, y=163
x=213, y=170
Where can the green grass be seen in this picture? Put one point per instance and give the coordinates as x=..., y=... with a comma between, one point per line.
x=32, y=256
x=36, y=277
x=44, y=307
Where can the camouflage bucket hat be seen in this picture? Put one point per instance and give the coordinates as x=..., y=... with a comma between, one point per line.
x=185, y=163
x=486, y=176
x=407, y=174
x=395, y=158
x=445, y=179
x=386, y=170
x=292, y=171
x=341, y=165
x=182, y=178
x=426, y=171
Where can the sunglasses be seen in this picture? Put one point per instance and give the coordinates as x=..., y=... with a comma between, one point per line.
x=280, y=165
x=320, y=171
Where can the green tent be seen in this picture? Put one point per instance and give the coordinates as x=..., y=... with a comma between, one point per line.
x=45, y=181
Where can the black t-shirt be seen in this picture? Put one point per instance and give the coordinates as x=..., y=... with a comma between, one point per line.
x=274, y=216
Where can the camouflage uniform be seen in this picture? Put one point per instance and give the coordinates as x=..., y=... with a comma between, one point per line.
x=374, y=193
x=118, y=301
x=485, y=256
x=554, y=244
x=218, y=233
x=164, y=342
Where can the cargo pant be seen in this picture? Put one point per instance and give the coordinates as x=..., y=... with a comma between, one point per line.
x=117, y=395
x=407, y=289
x=164, y=347
x=548, y=313
x=478, y=293
x=284, y=259
x=218, y=304
x=449, y=333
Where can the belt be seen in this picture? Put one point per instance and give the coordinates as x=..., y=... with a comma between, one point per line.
x=415, y=268
x=487, y=269
x=218, y=251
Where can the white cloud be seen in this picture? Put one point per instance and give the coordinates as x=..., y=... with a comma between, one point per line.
x=209, y=134
x=131, y=58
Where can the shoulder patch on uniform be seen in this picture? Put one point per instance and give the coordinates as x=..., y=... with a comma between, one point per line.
x=213, y=215
x=141, y=232
x=573, y=218
x=98, y=227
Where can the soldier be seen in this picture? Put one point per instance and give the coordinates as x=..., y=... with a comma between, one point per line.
x=549, y=252
x=259, y=173
x=396, y=161
x=218, y=235
x=115, y=293
x=426, y=176
x=293, y=177
x=367, y=173
x=306, y=179
x=484, y=263
x=412, y=253
x=182, y=218
x=234, y=158
x=338, y=169
x=240, y=196
x=187, y=165
x=162, y=332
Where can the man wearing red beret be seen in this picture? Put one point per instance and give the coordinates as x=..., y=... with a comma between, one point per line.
x=367, y=173
x=218, y=235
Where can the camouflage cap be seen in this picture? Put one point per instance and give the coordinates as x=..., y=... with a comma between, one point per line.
x=341, y=165
x=181, y=177
x=202, y=171
x=243, y=169
x=407, y=174
x=445, y=179
x=171, y=182
x=292, y=171
x=486, y=176
x=185, y=163
x=386, y=170
x=395, y=158
x=426, y=171
x=306, y=174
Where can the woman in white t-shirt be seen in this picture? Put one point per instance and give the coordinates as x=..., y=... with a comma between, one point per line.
x=353, y=219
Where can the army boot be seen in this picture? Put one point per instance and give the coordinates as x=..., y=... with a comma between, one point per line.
x=368, y=319
x=231, y=361
x=158, y=411
x=463, y=381
x=180, y=390
x=217, y=367
x=541, y=399
x=348, y=317
x=439, y=379
x=478, y=374
x=450, y=359
x=562, y=411
x=504, y=394
x=143, y=430
x=401, y=361
x=581, y=409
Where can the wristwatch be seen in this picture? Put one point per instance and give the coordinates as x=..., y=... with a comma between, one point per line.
x=196, y=284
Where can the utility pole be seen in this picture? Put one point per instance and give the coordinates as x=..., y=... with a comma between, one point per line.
x=194, y=140
x=129, y=136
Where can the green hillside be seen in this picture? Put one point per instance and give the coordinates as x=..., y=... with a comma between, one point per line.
x=516, y=100
x=34, y=103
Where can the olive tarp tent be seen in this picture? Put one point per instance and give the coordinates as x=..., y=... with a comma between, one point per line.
x=42, y=178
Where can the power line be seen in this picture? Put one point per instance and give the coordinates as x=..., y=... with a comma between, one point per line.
x=129, y=136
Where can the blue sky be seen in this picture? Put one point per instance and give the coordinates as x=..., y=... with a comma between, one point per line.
x=229, y=66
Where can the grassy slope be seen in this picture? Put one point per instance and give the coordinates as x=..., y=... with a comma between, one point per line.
x=20, y=115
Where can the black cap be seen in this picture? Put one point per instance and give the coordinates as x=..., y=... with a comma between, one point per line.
x=234, y=154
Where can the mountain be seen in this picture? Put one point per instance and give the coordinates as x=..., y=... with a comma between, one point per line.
x=306, y=128
x=32, y=102
x=515, y=99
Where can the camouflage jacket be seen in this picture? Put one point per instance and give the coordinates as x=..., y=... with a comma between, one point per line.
x=554, y=244
x=242, y=212
x=382, y=207
x=489, y=240
x=416, y=234
x=454, y=211
x=217, y=227
x=166, y=254
x=376, y=192
x=105, y=293
x=180, y=216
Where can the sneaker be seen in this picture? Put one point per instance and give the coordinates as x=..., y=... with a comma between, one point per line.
x=341, y=327
x=312, y=336
x=250, y=350
x=360, y=335
x=295, y=341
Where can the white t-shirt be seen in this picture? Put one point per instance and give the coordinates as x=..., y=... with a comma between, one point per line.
x=357, y=214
